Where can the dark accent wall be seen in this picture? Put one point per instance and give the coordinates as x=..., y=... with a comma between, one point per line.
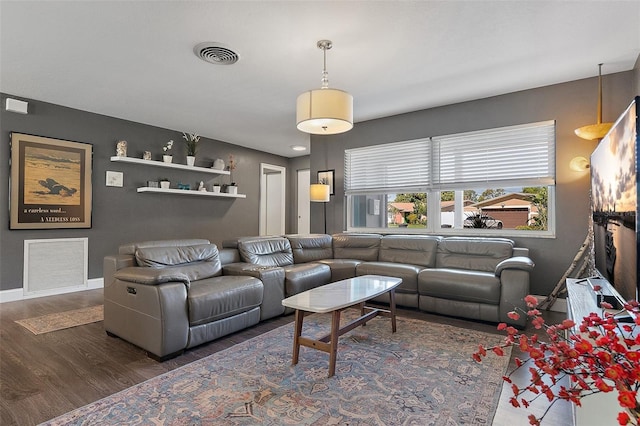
x=122, y=215
x=571, y=104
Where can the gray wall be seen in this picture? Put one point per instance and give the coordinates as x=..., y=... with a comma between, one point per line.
x=636, y=79
x=571, y=104
x=122, y=215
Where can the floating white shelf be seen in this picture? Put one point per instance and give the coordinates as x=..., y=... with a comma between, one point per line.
x=169, y=165
x=190, y=192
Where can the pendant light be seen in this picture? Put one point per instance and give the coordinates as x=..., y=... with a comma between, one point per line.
x=599, y=130
x=324, y=111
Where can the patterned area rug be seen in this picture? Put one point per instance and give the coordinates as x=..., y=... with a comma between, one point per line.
x=421, y=375
x=62, y=320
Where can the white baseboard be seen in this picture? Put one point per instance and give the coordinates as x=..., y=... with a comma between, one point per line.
x=17, y=294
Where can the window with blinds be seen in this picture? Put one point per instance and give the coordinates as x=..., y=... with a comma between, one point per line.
x=501, y=179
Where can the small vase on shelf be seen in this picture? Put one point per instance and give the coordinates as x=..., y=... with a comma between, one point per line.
x=164, y=184
x=167, y=158
x=191, y=160
x=232, y=189
x=215, y=188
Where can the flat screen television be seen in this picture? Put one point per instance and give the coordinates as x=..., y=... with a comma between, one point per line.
x=614, y=202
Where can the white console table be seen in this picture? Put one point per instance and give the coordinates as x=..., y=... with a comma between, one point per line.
x=599, y=409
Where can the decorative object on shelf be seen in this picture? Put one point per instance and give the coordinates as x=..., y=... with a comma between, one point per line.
x=184, y=186
x=215, y=188
x=191, y=142
x=121, y=148
x=152, y=184
x=201, y=187
x=218, y=164
x=232, y=167
x=599, y=355
x=167, y=157
x=165, y=183
x=600, y=129
x=324, y=111
x=232, y=189
x=146, y=155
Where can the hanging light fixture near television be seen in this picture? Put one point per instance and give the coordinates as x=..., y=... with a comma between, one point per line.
x=600, y=129
x=324, y=111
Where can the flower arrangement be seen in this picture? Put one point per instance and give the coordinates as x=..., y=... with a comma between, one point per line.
x=191, y=141
x=232, y=167
x=601, y=356
x=167, y=147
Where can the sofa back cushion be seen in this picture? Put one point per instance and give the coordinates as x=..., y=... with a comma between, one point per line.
x=307, y=248
x=410, y=249
x=478, y=254
x=132, y=247
x=266, y=251
x=356, y=246
x=196, y=261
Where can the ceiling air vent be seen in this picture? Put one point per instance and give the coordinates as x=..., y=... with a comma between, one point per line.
x=216, y=53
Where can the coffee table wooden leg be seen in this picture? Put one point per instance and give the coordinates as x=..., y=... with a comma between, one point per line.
x=392, y=308
x=296, y=335
x=335, y=327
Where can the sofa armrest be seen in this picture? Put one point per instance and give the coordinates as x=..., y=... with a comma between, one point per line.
x=151, y=276
x=272, y=278
x=518, y=262
x=112, y=264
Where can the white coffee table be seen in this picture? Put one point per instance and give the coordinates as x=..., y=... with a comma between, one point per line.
x=334, y=298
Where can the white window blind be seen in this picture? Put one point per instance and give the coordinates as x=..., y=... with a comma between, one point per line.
x=523, y=155
x=401, y=166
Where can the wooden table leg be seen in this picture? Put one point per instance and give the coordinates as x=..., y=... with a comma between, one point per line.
x=296, y=335
x=335, y=327
x=392, y=308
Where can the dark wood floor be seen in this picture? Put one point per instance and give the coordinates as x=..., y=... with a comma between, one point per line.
x=50, y=374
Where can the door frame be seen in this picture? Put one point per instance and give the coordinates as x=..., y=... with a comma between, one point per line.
x=266, y=169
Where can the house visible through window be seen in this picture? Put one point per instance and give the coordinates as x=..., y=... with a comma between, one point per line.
x=498, y=181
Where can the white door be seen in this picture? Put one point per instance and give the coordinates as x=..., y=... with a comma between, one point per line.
x=272, y=199
x=304, y=215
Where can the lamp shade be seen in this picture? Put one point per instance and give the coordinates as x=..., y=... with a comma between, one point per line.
x=324, y=111
x=319, y=193
x=593, y=131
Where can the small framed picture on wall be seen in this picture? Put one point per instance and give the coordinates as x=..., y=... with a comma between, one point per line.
x=326, y=177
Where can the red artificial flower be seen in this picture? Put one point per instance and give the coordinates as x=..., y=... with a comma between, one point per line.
x=502, y=326
x=498, y=350
x=583, y=346
x=531, y=301
x=627, y=399
x=603, y=386
x=533, y=421
x=513, y=315
x=623, y=418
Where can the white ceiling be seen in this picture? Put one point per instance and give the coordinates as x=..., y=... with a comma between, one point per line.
x=135, y=60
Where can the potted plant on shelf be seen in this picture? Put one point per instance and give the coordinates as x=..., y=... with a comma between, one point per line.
x=164, y=183
x=191, y=142
x=601, y=354
x=166, y=149
x=232, y=188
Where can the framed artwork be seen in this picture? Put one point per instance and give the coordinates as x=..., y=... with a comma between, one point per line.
x=50, y=183
x=326, y=177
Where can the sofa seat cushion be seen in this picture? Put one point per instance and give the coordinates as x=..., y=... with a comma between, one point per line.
x=216, y=298
x=408, y=273
x=457, y=284
x=341, y=269
x=305, y=276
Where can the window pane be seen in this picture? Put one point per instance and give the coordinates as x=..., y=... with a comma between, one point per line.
x=408, y=210
x=521, y=208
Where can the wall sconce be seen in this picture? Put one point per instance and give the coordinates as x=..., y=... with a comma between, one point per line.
x=579, y=164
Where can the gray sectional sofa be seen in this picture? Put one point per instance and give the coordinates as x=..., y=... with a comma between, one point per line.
x=167, y=296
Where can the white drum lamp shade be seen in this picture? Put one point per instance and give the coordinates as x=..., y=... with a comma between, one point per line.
x=324, y=111
x=319, y=193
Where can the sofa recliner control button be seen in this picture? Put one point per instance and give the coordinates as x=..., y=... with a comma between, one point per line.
x=131, y=290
